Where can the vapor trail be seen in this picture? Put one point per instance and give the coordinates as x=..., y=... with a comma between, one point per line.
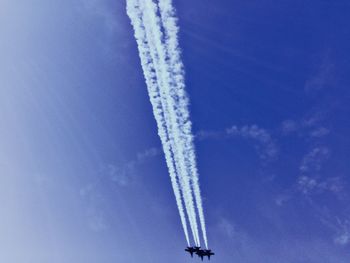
x=133, y=10
x=177, y=82
x=160, y=56
x=158, y=52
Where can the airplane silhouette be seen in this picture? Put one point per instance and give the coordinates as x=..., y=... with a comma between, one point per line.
x=208, y=253
x=204, y=253
x=190, y=250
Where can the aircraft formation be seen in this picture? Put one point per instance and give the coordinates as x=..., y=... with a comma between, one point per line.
x=156, y=33
x=200, y=252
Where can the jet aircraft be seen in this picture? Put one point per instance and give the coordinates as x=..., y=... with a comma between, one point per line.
x=200, y=253
x=204, y=253
x=190, y=250
x=196, y=248
x=208, y=253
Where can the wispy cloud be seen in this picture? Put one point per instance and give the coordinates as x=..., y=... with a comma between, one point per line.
x=323, y=75
x=342, y=239
x=306, y=127
x=310, y=179
x=281, y=199
x=308, y=185
x=289, y=126
x=313, y=160
x=96, y=219
x=265, y=146
x=102, y=11
x=121, y=175
x=315, y=184
x=319, y=132
x=312, y=182
x=341, y=228
x=207, y=135
x=147, y=154
x=125, y=173
x=226, y=227
x=233, y=234
x=342, y=236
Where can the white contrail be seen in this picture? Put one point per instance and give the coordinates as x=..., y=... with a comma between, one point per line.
x=158, y=52
x=165, y=69
x=177, y=74
x=135, y=15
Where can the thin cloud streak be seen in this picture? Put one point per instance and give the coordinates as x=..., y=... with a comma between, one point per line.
x=135, y=14
x=160, y=58
x=177, y=80
x=154, y=34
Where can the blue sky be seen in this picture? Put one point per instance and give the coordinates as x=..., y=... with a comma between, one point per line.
x=82, y=176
